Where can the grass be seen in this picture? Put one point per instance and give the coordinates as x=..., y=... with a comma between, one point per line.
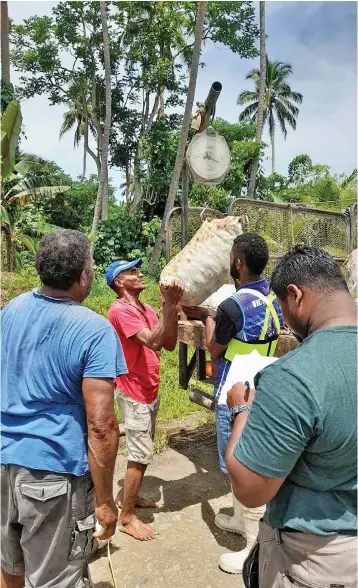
x=175, y=403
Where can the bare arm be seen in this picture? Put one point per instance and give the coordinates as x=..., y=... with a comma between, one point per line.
x=250, y=488
x=215, y=349
x=165, y=332
x=103, y=437
x=208, y=315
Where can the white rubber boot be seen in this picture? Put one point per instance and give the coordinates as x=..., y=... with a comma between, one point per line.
x=234, y=524
x=233, y=562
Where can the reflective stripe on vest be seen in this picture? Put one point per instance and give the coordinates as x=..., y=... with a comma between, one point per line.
x=266, y=348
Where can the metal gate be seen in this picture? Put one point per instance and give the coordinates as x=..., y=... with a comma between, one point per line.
x=173, y=226
x=281, y=225
x=285, y=225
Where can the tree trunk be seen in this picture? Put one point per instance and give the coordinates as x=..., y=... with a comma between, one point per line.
x=273, y=153
x=128, y=182
x=85, y=150
x=261, y=100
x=161, y=103
x=10, y=247
x=108, y=117
x=5, y=53
x=147, y=125
x=157, y=249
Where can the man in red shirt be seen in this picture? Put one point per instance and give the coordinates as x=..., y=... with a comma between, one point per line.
x=142, y=336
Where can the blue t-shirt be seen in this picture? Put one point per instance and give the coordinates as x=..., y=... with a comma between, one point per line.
x=48, y=347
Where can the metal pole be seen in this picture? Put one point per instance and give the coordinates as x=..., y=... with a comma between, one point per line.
x=184, y=204
x=210, y=103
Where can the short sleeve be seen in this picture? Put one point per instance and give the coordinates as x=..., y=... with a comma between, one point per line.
x=282, y=421
x=104, y=357
x=128, y=321
x=226, y=326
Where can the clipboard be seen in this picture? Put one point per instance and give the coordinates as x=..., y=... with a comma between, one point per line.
x=244, y=369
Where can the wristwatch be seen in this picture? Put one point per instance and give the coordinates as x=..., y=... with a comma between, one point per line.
x=235, y=410
x=204, y=319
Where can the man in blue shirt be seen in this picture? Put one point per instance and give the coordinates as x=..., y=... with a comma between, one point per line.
x=59, y=434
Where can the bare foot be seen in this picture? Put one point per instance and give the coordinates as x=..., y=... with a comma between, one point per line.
x=141, y=502
x=137, y=529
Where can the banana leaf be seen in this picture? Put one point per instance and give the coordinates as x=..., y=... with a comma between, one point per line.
x=10, y=130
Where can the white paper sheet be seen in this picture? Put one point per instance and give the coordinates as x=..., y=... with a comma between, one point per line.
x=244, y=369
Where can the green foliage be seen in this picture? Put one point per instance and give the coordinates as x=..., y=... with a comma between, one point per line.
x=215, y=197
x=151, y=46
x=7, y=94
x=117, y=237
x=74, y=210
x=125, y=237
x=309, y=184
x=10, y=131
x=157, y=165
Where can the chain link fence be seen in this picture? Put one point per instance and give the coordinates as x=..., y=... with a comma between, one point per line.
x=281, y=225
x=353, y=226
x=196, y=217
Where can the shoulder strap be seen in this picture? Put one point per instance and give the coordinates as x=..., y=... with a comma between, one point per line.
x=270, y=309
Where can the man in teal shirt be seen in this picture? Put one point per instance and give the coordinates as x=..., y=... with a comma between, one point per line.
x=295, y=446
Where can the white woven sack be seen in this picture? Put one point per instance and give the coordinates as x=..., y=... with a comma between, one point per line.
x=352, y=268
x=203, y=266
x=219, y=296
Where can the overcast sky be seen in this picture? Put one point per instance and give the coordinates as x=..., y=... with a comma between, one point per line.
x=319, y=40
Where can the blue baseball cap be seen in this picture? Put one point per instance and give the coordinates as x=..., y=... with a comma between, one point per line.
x=116, y=267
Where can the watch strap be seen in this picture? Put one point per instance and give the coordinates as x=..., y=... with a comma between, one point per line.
x=235, y=410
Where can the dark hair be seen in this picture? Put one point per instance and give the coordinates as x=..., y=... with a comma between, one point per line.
x=61, y=258
x=254, y=250
x=309, y=267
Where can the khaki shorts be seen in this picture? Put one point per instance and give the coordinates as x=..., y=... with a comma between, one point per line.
x=139, y=421
x=47, y=522
x=301, y=560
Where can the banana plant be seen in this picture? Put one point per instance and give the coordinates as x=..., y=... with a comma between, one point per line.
x=10, y=130
x=16, y=235
x=29, y=189
x=14, y=196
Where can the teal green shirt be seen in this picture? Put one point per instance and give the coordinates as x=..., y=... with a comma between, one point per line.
x=303, y=427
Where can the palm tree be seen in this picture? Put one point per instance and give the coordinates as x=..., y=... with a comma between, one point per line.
x=199, y=28
x=74, y=117
x=260, y=102
x=279, y=103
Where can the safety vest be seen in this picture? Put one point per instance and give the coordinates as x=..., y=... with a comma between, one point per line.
x=262, y=327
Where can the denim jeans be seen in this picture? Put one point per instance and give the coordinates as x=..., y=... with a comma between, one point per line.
x=223, y=432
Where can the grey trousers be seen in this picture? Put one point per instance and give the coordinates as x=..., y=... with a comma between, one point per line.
x=302, y=560
x=47, y=523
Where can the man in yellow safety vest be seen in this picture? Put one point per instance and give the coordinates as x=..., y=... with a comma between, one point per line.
x=248, y=320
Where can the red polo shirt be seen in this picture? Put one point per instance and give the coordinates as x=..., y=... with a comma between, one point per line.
x=142, y=380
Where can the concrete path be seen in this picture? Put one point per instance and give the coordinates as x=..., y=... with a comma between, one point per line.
x=186, y=552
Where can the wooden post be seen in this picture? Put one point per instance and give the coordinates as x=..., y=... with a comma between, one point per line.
x=201, y=364
x=184, y=204
x=202, y=399
x=183, y=365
